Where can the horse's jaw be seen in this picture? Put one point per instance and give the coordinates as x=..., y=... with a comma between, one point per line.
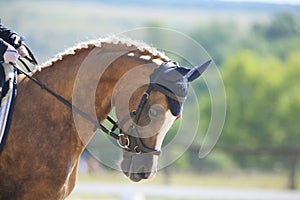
x=139, y=167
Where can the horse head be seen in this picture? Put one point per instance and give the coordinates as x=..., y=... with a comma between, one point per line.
x=153, y=108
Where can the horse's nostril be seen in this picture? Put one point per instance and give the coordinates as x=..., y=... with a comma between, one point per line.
x=143, y=173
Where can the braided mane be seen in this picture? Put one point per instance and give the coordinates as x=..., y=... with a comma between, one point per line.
x=142, y=47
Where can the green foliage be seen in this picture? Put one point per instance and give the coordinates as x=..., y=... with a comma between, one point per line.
x=289, y=103
x=248, y=83
x=262, y=90
x=278, y=37
x=263, y=101
x=283, y=25
x=262, y=87
x=219, y=39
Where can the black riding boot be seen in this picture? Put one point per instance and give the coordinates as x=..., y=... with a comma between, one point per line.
x=2, y=81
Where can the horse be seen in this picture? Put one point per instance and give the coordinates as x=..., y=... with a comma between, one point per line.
x=48, y=134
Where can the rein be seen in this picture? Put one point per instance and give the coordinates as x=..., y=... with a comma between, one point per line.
x=125, y=140
x=71, y=106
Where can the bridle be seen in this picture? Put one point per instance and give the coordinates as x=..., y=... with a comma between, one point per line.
x=125, y=139
x=130, y=139
x=132, y=143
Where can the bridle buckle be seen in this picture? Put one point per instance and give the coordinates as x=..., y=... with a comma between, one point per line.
x=137, y=150
x=123, y=137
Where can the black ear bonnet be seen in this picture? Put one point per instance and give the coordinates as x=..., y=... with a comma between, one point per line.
x=173, y=81
x=170, y=80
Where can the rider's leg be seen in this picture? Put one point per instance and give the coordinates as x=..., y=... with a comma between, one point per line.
x=2, y=80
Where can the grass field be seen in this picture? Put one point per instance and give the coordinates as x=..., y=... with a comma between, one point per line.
x=238, y=179
x=242, y=179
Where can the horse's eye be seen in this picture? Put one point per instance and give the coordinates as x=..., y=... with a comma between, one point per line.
x=155, y=111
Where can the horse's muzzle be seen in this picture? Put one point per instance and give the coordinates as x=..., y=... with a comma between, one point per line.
x=138, y=167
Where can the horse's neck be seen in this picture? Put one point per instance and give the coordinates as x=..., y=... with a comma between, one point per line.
x=91, y=77
x=87, y=67
x=59, y=75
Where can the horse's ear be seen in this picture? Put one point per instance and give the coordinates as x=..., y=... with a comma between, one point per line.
x=197, y=71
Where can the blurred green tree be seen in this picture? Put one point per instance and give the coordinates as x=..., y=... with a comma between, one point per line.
x=278, y=37
x=282, y=25
x=263, y=101
x=218, y=38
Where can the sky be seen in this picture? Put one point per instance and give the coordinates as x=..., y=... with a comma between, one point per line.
x=295, y=2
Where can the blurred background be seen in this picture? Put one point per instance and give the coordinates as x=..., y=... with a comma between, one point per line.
x=256, y=46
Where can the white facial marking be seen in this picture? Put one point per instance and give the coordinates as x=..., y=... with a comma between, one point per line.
x=169, y=120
